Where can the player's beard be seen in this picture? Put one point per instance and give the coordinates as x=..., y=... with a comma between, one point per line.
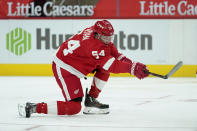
x=106, y=39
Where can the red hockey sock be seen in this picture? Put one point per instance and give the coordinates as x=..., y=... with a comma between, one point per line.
x=94, y=92
x=42, y=108
x=99, y=81
x=68, y=108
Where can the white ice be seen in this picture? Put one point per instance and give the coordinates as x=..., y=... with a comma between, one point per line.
x=151, y=104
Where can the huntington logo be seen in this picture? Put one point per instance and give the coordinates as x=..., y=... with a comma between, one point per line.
x=18, y=41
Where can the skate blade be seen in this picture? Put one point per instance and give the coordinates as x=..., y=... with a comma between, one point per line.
x=21, y=110
x=95, y=111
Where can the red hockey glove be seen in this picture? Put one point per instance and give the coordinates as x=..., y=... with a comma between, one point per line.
x=139, y=70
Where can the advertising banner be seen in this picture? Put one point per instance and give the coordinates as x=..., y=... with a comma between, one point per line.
x=96, y=9
x=36, y=41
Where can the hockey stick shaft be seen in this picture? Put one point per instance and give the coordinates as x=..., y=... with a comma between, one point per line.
x=157, y=75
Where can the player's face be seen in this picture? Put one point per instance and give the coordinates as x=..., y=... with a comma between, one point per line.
x=106, y=39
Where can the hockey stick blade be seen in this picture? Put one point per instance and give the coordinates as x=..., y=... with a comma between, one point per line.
x=172, y=71
x=175, y=68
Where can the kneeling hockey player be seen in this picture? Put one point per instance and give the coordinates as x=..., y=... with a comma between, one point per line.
x=86, y=52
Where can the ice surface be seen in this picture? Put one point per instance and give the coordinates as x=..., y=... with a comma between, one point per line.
x=151, y=104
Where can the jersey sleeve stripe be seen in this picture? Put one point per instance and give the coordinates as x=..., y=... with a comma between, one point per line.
x=120, y=57
x=109, y=63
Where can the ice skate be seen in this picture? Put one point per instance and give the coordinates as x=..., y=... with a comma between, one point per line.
x=27, y=109
x=92, y=106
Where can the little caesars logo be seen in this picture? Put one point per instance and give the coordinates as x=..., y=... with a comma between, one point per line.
x=55, y=8
x=18, y=41
x=164, y=8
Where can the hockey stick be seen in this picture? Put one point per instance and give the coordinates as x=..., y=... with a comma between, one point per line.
x=172, y=71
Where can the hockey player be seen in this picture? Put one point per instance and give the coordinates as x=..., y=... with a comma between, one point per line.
x=90, y=50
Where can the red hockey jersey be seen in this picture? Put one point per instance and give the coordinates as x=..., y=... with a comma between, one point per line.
x=82, y=53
